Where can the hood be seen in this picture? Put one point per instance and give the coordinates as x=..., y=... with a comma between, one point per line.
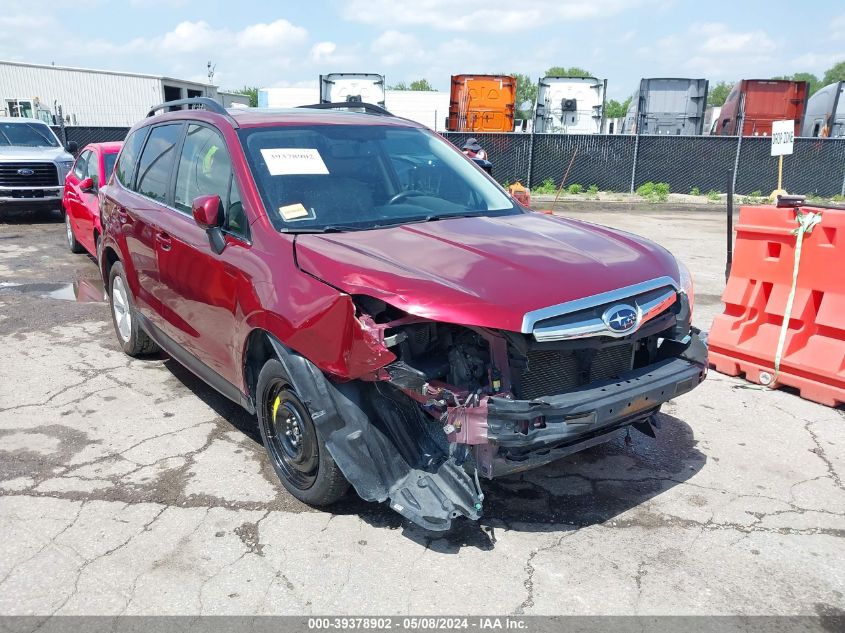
x=486, y=272
x=17, y=153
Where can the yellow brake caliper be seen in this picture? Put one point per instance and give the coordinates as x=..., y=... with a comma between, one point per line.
x=276, y=404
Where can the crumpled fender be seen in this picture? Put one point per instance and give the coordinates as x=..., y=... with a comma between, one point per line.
x=327, y=332
x=430, y=496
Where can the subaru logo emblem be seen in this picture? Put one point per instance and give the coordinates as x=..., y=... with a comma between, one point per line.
x=621, y=318
x=25, y=172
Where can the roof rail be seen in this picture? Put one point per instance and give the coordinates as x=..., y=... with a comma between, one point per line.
x=207, y=103
x=369, y=108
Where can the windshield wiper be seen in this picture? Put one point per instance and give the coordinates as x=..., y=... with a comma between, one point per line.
x=450, y=216
x=332, y=228
x=340, y=228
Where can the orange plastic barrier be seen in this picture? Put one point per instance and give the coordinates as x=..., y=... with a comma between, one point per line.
x=744, y=339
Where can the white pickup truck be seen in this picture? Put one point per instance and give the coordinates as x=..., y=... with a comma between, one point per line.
x=33, y=165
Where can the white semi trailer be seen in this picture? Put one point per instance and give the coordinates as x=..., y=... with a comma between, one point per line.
x=825, y=113
x=352, y=88
x=570, y=105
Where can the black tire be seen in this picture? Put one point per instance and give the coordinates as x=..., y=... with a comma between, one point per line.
x=296, y=450
x=73, y=244
x=130, y=336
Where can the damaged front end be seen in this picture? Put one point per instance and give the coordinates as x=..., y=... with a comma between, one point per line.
x=463, y=402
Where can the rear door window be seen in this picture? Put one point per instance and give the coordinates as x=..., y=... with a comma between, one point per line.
x=125, y=169
x=157, y=162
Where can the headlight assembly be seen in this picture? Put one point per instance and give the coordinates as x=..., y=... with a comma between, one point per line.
x=687, y=285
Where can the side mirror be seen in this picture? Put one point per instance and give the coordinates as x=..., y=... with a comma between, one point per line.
x=87, y=184
x=72, y=147
x=208, y=211
x=208, y=214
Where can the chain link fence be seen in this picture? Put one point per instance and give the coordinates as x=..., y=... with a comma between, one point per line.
x=816, y=167
x=686, y=162
x=624, y=162
x=604, y=161
x=82, y=135
x=509, y=153
x=615, y=162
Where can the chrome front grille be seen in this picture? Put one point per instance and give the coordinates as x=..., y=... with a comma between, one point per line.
x=587, y=317
x=28, y=174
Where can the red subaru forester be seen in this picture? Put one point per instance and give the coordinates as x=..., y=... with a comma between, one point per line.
x=396, y=321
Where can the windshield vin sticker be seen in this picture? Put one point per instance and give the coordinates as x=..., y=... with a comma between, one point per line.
x=288, y=161
x=295, y=212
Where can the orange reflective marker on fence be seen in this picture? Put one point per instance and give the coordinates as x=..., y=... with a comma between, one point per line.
x=744, y=340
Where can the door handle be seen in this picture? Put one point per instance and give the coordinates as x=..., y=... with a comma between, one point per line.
x=164, y=240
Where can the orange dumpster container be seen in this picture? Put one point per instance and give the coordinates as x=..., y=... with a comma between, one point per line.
x=744, y=339
x=482, y=103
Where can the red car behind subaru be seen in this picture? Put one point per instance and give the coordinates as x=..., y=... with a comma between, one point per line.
x=81, y=208
x=396, y=321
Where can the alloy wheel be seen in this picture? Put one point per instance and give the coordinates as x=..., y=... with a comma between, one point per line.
x=120, y=306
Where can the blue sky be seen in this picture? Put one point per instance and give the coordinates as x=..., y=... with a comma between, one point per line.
x=290, y=43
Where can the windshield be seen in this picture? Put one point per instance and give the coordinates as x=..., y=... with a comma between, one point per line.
x=356, y=177
x=27, y=135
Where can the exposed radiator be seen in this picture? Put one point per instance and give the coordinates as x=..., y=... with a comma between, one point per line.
x=552, y=372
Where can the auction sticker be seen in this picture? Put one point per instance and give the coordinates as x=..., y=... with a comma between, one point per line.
x=295, y=212
x=293, y=161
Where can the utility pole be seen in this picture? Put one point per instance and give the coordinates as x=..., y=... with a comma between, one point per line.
x=210, y=68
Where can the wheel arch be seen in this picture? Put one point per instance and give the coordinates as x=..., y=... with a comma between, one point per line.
x=108, y=259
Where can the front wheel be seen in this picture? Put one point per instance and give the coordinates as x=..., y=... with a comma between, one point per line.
x=72, y=242
x=130, y=335
x=297, y=452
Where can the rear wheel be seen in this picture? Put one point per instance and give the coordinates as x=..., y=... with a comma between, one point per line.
x=131, y=337
x=73, y=244
x=297, y=452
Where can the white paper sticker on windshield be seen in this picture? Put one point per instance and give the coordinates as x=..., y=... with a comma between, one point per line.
x=288, y=161
x=295, y=212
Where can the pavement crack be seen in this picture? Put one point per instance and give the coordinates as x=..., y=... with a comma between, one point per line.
x=528, y=583
x=820, y=452
x=51, y=541
x=108, y=552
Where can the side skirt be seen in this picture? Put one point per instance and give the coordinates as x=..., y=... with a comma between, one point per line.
x=195, y=365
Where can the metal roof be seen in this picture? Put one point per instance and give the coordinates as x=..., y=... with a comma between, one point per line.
x=104, y=72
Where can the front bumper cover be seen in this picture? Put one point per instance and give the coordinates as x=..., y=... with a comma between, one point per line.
x=531, y=433
x=12, y=195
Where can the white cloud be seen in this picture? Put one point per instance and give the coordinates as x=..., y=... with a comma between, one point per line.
x=721, y=41
x=187, y=37
x=816, y=62
x=394, y=48
x=322, y=51
x=279, y=34
x=712, y=50
x=489, y=16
